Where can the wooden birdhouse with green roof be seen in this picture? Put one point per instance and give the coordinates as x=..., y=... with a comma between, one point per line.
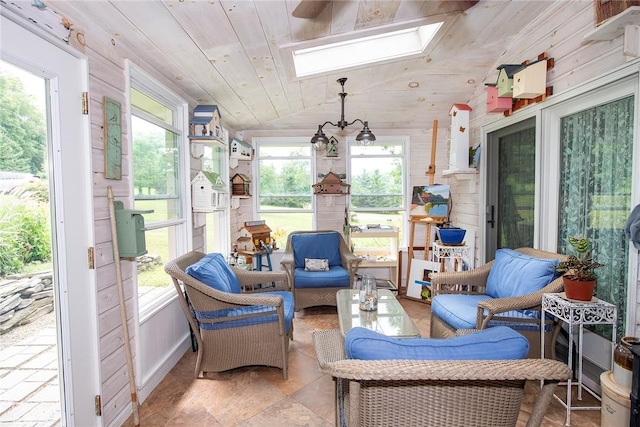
x=505, y=79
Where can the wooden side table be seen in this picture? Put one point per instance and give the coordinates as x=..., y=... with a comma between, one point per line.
x=577, y=313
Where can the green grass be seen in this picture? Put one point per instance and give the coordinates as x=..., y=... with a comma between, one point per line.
x=154, y=277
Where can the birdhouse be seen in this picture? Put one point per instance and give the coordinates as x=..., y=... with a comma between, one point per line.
x=495, y=103
x=331, y=184
x=208, y=192
x=259, y=232
x=530, y=82
x=240, y=150
x=332, y=147
x=459, y=149
x=240, y=185
x=245, y=242
x=205, y=122
x=505, y=79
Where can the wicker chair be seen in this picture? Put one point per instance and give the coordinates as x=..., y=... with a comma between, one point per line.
x=499, y=310
x=433, y=393
x=254, y=342
x=320, y=293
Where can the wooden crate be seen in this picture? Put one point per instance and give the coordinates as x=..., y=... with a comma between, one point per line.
x=605, y=9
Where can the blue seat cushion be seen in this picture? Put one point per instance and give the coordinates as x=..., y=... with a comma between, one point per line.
x=336, y=277
x=457, y=311
x=460, y=311
x=515, y=274
x=212, y=270
x=499, y=343
x=318, y=246
x=288, y=306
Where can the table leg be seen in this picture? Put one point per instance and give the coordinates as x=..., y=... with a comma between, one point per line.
x=570, y=363
x=580, y=335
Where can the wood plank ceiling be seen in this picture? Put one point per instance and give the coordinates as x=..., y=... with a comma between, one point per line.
x=234, y=54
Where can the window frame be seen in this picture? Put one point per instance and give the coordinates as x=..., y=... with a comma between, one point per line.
x=255, y=170
x=405, y=141
x=143, y=82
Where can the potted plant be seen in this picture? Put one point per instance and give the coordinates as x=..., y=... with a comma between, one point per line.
x=579, y=277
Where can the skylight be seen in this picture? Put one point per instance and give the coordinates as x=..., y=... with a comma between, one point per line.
x=362, y=51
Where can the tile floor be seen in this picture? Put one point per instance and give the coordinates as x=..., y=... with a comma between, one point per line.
x=257, y=396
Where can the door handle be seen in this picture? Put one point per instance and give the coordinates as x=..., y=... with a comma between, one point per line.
x=492, y=221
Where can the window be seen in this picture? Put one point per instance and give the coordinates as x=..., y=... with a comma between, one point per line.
x=284, y=193
x=363, y=50
x=377, y=178
x=157, y=123
x=595, y=192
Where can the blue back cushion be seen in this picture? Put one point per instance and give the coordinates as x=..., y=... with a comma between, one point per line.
x=212, y=270
x=316, y=245
x=499, y=343
x=514, y=274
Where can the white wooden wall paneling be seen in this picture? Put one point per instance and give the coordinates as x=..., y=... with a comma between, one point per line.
x=176, y=47
x=245, y=20
x=108, y=298
x=271, y=13
x=116, y=382
x=173, y=67
x=119, y=401
x=227, y=55
x=110, y=319
x=113, y=340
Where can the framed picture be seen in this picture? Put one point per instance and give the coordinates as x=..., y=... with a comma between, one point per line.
x=112, y=139
x=430, y=200
x=419, y=282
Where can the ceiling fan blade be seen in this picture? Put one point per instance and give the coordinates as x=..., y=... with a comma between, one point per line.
x=309, y=9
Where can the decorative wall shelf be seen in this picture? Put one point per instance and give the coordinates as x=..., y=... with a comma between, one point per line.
x=235, y=201
x=460, y=173
x=197, y=144
x=626, y=23
x=615, y=26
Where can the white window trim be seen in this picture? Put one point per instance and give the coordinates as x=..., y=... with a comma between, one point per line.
x=257, y=141
x=406, y=185
x=145, y=83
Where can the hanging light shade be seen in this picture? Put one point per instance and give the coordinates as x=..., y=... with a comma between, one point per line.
x=365, y=137
x=319, y=140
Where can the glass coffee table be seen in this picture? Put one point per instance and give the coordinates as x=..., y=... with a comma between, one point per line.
x=389, y=319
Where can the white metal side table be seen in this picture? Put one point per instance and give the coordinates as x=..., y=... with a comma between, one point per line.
x=577, y=313
x=441, y=252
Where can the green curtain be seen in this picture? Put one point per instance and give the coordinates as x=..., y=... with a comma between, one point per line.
x=595, y=193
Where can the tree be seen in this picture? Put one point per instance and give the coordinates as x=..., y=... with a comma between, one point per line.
x=22, y=129
x=151, y=162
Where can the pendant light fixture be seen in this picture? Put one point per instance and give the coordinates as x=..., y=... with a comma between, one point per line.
x=365, y=137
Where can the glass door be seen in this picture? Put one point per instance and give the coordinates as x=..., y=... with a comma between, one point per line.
x=511, y=154
x=44, y=136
